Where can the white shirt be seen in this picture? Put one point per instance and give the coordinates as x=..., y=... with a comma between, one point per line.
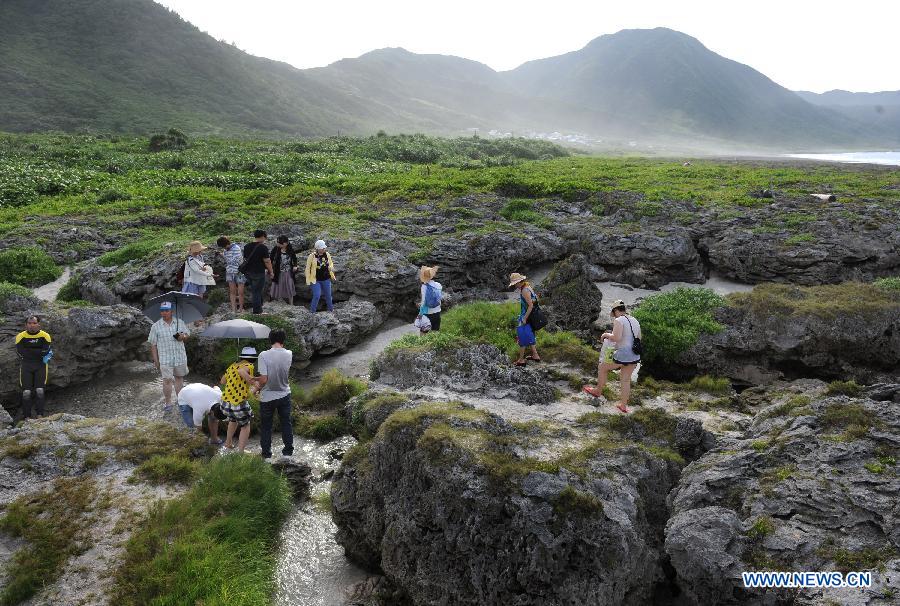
x=200, y=398
x=440, y=289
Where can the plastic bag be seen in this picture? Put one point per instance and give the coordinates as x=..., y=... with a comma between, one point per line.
x=423, y=324
x=525, y=335
x=606, y=352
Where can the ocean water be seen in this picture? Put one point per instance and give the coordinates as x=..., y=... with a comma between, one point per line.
x=891, y=158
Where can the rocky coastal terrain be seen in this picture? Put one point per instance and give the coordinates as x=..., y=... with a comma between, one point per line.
x=763, y=432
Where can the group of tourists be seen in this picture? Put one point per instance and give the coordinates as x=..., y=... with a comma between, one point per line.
x=621, y=350
x=251, y=264
x=231, y=402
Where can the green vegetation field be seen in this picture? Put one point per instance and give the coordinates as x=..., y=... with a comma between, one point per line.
x=203, y=188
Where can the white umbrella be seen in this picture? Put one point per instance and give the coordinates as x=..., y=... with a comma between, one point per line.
x=237, y=329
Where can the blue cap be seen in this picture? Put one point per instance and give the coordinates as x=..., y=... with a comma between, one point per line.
x=165, y=306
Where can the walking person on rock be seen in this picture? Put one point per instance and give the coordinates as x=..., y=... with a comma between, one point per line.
x=167, y=336
x=197, y=274
x=255, y=267
x=237, y=380
x=234, y=256
x=431, y=291
x=34, y=349
x=526, y=337
x=274, y=391
x=625, y=337
x=284, y=265
x=320, y=275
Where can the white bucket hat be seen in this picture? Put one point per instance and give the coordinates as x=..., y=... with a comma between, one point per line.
x=320, y=245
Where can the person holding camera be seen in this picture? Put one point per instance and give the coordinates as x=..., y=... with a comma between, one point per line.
x=167, y=336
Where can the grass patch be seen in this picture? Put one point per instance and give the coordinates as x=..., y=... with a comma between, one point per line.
x=827, y=301
x=322, y=501
x=892, y=284
x=322, y=428
x=70, y=292
x=213, y=545
x=19, y=449
x=147, y=439
x=853, y=418
x=51, y=523
x=672, y=322
x=762, y=527
x=708, y=384
x=573, y=501
x=93, y=460
x=8, y=290
x=844, y=388
x=334, y=390
x=846, y=560
x=135, y=251
x=27, y=266
x=167, y=469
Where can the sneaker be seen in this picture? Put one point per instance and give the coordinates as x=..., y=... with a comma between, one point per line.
x=287, y=453
x=215, y=442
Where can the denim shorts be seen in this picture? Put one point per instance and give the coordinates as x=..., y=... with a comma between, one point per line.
x=234, y=277
x=187, y=414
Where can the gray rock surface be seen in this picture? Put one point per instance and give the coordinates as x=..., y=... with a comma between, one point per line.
x=569, y=297
x=297, y=473
x=470, y=369
x=87, y=341
x=321, y=333
x=811, y=485
x=758, y=346
x=444, y=504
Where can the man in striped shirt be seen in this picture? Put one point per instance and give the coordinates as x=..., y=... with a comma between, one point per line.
x=166, y=340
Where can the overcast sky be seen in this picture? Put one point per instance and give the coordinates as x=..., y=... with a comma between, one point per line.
x=801, y=44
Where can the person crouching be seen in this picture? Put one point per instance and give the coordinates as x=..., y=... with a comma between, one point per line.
x=237, y=380
x=196, y=401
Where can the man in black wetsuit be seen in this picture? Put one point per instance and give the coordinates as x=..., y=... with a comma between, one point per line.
x=34, y=351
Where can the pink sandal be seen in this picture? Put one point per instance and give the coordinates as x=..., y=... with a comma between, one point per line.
x=591, y=391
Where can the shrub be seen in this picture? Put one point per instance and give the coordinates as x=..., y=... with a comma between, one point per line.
x=27, y=266
x=71, y=291
x=8, y=290
x=112, y=195
x=323, y=428
x=174, y=139
x=888, y=283
x=334, y=390
x=672, y=322
x=129, y=252
x=216, y=544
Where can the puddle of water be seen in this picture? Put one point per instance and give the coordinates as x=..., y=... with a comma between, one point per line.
x=48, y=292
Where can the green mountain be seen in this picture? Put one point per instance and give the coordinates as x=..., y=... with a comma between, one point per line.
x=132, y=65
x=661, y=80
x=135, y=66
x=880, y=110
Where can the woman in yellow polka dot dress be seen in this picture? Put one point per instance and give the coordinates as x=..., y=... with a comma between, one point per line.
x=237, y=380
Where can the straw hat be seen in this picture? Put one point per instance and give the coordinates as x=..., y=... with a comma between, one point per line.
x=515, y=279
x=195, y=247
x=427, y=273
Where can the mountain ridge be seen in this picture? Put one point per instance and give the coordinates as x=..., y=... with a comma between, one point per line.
x=135, y=66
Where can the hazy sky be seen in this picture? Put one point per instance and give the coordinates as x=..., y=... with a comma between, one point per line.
x=801, y=44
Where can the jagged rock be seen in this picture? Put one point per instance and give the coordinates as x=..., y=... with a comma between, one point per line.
x=87, y=341
x=691, y=439
x=297, y=473
x=811, y=486
x=760, y=344
x=481, y=369
x=454, y=506
x=316, y=334
x=835, y=248
x=5, y=417
x=569, y=296
x=884, y=392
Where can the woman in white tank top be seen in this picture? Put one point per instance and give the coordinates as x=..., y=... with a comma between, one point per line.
x=624, y=359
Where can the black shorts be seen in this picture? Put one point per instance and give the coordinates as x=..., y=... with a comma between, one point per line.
x=32, y=376
x=635, y=363
x=435, y=320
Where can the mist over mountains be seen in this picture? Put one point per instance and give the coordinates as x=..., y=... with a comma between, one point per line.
x=134, y=66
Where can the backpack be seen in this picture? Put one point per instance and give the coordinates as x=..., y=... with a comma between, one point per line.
x=432, y=296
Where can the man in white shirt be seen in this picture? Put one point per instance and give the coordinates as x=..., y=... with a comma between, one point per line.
x=197, y=401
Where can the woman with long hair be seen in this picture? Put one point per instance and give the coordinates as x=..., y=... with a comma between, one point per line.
x=284, y=265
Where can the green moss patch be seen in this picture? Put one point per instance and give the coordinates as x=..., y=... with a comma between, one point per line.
x=826, y=301
x=216, y=544
x=672, y=322
x=53, y=525
x=167, y=469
